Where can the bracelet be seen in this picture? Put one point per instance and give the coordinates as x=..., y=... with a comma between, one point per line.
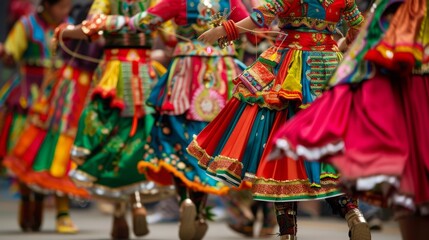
x=231, y=34
x=231, y=30
x=91, y=28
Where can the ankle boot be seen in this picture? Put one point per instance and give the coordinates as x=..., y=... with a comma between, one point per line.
x=286, y=219
x=140, y=227
x=347, y=207
x=120, y=226
x=188, y=214
x=359, y=229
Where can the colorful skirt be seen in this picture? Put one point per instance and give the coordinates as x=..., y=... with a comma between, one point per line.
x=232, y=148
x=16, y=97
x=375, y=137
x=114, y=126
x=373, y=129
x=40, y=157
x=191, y=93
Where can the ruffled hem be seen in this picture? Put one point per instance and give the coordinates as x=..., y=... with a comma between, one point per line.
x=149, y=188
x=43, y=181
x=384, y=190
x=299, y=151
x=156, y=173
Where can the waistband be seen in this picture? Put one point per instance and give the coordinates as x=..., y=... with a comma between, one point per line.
x=127, y=55
x=307, y=41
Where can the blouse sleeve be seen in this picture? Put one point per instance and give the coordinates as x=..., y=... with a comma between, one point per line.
x=152, y=18
x=16, y=43
x=352, y=15
x=354, y=19
x=264, y=15
x=239, y=11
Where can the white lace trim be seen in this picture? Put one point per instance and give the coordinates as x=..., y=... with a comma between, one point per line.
x=368, y=183
x=310, y=154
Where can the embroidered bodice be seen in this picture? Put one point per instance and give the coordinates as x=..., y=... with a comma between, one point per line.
x=193, y=16
x=307, y=15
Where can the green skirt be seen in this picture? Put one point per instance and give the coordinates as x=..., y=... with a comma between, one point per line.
x=107, y=154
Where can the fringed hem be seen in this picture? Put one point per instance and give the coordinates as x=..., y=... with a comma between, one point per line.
x=293, y=190
x=310, y=154
x=161, y=166
x=43, y=181
x=148, y=188
x=19, y=170
x=46, y=183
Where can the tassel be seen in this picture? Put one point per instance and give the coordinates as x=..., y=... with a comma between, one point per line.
x=167, y=106
x=134, y=125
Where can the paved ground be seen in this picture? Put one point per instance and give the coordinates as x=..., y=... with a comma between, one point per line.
x=96, y=226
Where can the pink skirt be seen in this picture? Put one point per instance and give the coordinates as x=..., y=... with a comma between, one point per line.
x=374, y=133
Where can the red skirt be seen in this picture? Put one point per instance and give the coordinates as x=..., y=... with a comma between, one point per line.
x=375, y=132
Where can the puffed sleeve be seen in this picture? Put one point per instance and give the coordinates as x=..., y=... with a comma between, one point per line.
x=265, y=14
x=17, y=42
x=239, y=12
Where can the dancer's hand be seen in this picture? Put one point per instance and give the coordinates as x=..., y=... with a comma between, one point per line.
x=212, y=35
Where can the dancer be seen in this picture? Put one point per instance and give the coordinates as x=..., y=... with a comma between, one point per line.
x=191, y=93
x=376, y=136
x=113, y=127
x=40, y=159
x=285, y=78
x=27, y=45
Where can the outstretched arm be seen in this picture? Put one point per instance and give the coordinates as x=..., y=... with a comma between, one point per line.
x=262, y=17
x=212, y=35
